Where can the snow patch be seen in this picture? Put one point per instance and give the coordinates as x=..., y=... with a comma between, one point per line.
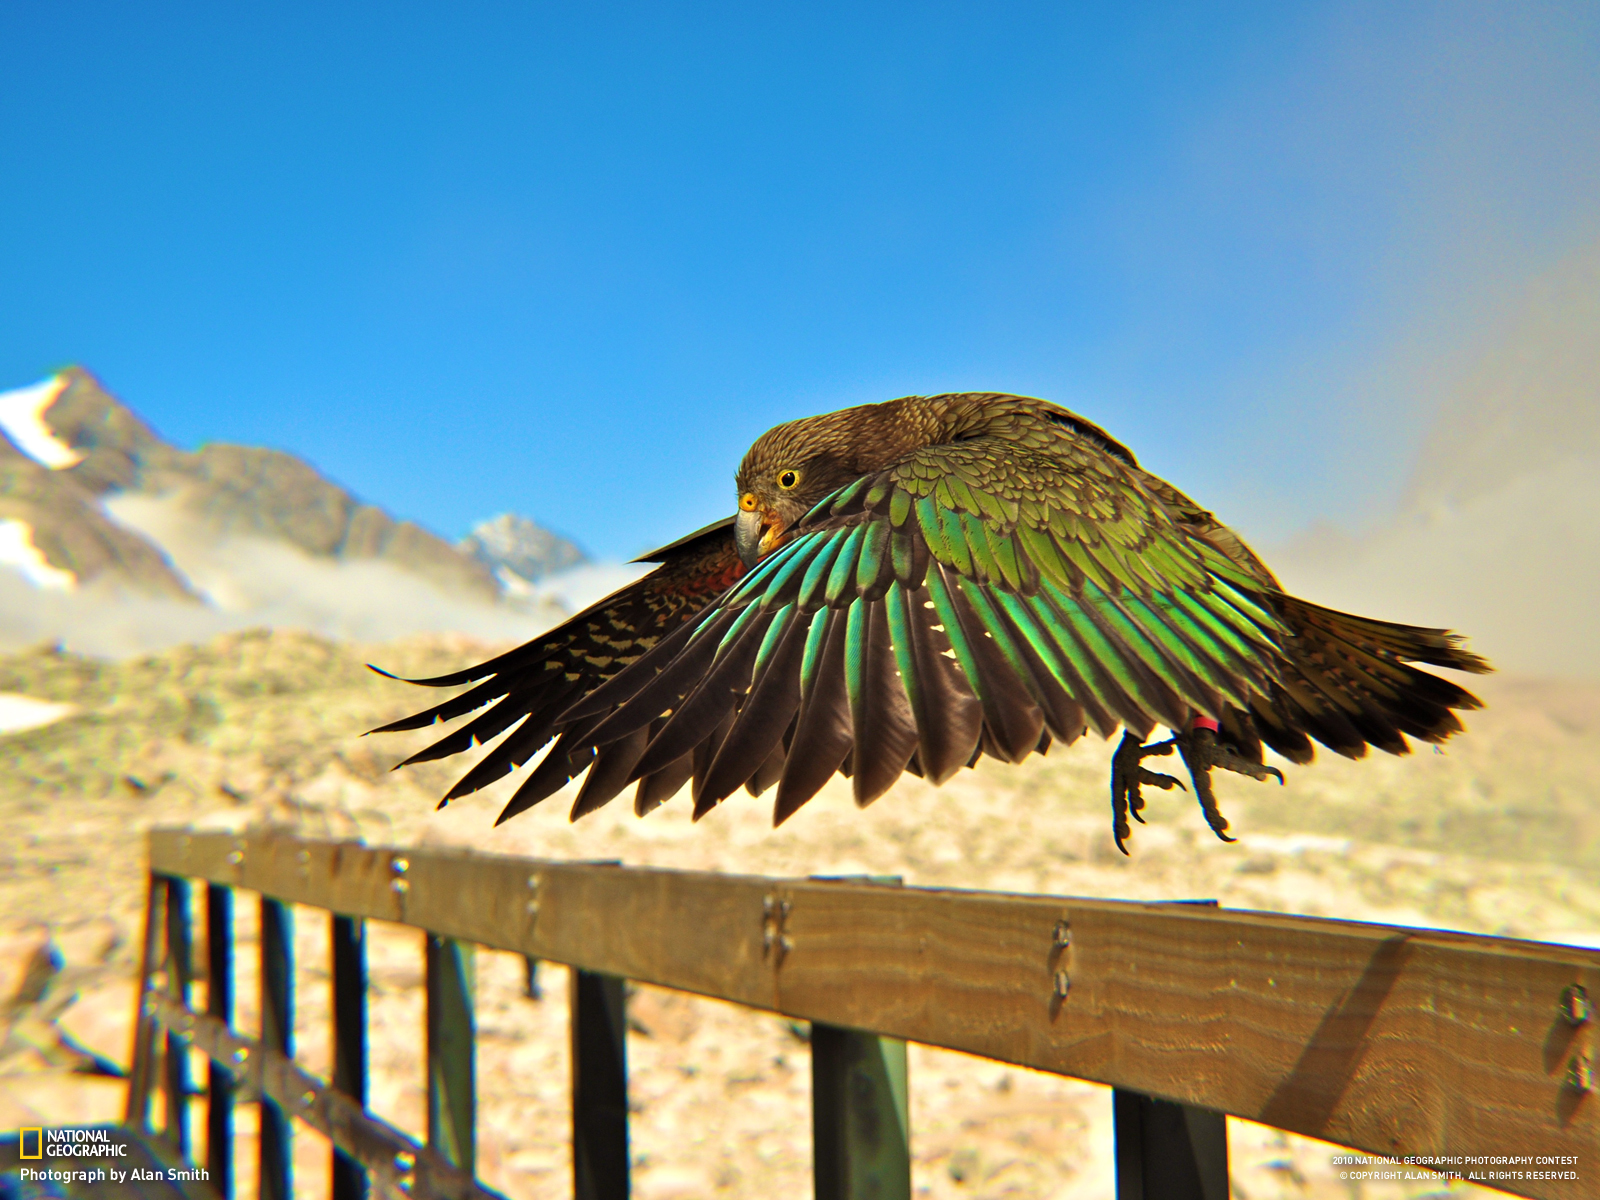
x=22, y=418
x=19, y=712
x=18, y=551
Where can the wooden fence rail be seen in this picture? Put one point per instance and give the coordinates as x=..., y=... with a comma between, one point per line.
x=1396, y=1042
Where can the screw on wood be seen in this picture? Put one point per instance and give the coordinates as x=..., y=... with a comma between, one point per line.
x=398, y=866
x=775, y=943
x=532, y=906
x=1063, y=934
x=1063, y=985
x=1580, y=1073
x=1575, y=1006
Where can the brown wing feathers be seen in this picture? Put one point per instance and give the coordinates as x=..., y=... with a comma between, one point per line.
x=1351, y=684
x=531, y=688
x=822, y=734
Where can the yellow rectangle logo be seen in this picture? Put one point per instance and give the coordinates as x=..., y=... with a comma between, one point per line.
x=38, y=1143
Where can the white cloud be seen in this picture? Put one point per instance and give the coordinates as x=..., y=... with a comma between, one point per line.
x=250, y=582
x=254, y=582
x=576, y=589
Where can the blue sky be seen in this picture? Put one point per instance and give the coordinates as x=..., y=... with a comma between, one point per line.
x=570, y=260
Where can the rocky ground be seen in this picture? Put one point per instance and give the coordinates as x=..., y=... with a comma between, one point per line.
x=1499, y=834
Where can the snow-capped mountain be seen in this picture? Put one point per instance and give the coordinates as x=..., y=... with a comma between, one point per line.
x=105, y=526
x=513, y=545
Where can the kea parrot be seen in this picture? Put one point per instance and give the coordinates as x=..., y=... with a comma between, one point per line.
x=911, y=585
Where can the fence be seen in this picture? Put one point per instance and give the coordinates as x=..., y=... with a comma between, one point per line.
x=1395, y=1042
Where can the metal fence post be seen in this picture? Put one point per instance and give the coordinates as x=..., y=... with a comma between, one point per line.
x=452, y=1097
x=349, y=1040
x=277, y=1033
x=219, y=1003
x=599, y=1087
x=1168, y=1151
x=860, y=1119
x=180, y=968
x=141, y=1072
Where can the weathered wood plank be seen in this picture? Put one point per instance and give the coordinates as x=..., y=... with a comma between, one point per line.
x=1167, y=1151
x=1393, y=1041
x=399, y=1168
x=142, y=1058
x=275, y=1160
x=180, y=973
x=219, y=1003
x=348, y=947
x=860, y=1116
x=450, y=981
x=600, y=1159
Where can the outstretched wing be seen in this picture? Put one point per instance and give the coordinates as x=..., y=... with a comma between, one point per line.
x=982, y=596
x=532, y=686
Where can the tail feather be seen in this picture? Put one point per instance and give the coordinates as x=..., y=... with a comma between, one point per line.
x=1349, y=682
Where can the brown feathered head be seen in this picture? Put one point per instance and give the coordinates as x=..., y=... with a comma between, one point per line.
x=795, y=465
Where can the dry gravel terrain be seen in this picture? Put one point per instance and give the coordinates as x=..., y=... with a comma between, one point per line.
x=1499, y=834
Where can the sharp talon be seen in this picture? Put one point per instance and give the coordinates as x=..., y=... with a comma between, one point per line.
x=1165, y=782
x=1201, y=754
x=1127, y=777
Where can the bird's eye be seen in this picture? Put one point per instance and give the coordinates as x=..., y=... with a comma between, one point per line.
x=788, y=479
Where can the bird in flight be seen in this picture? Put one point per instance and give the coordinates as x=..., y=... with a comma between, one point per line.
x=915, y=584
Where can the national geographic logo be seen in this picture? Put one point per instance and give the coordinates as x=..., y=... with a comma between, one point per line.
x=40, y=1143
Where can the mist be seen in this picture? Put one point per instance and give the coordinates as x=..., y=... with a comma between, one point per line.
x=1497, y=533
x=245, y=583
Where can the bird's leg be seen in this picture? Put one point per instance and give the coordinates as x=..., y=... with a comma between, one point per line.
x=1126, y=777
x=1201, y=751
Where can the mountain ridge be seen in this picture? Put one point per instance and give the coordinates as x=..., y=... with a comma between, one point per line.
x=245, y=490
x=103, y=520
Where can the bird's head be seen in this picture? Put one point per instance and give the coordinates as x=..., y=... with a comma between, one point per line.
x=793, y=467
x=781, y=479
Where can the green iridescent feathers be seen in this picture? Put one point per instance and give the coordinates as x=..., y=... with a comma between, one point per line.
x=1133, y=619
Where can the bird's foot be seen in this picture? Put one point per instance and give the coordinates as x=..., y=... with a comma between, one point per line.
x=1201, y=752
x=1127, y=776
